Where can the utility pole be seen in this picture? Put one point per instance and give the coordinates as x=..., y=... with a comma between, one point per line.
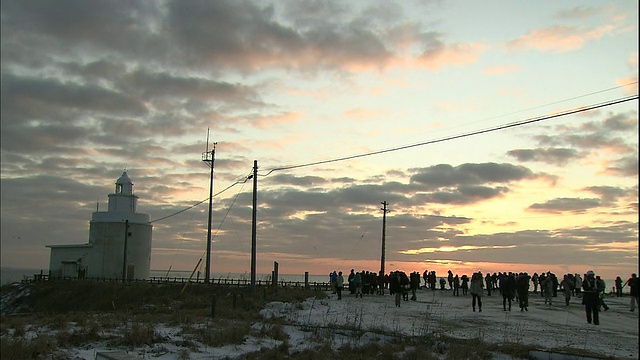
x=253, y=227
x=209, y=157
x=384, y=230
x=124, y=260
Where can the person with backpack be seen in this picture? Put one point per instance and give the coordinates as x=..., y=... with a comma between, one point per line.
x=591, y=298
x=633, y=288
x=567, y=285
x=476, y=291
x=602, y=287
x=522, y=288
x=508, y=289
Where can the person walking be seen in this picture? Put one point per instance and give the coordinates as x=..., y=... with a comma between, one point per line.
x=414, y=284
x=465, y=284
x=633, y=289
x=366, y=282
x=395, y=288
x=357, y=283
x=547, y=288
x=432, y=279
x=456, y=285
x=508, y=289
x=339, y=285
x=476, y=290
x=602, y=287
x=618, y=283
x=522, y=288
x=590, y=298
x=333, y=277
x=405, y=283
x=578, y=288
x=541, y=280
x=425, y=277
x=352, y=285
x=488, y=281
x=566, y=285
x=381, y=282
x=555, y=282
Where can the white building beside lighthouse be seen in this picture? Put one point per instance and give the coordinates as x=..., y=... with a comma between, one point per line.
x=119, y=242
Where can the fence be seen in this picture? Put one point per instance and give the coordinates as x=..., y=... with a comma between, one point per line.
x=226, y=282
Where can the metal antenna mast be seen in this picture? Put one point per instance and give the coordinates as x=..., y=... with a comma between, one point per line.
x=384, y=231
x=209, y=157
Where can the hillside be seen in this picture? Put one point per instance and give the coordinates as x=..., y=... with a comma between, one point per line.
x=63, y=320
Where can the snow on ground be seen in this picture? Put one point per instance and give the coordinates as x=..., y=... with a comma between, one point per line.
x=375, y=318
x=547, y=326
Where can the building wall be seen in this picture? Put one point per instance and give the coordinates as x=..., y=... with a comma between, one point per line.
x=108, y=239
x=66, y=254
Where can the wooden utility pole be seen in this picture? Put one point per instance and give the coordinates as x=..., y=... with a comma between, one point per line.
x=124, y=259
x=253, y=227
x=384, y=230
x=209, y=157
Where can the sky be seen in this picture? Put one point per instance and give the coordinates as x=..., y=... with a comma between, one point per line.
x=443, y=109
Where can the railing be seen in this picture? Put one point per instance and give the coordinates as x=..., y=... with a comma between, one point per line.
x=227, y=282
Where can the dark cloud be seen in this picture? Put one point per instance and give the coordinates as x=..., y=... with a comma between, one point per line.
x=469, y=174
x=566, y=205
x=315, y=14
x=620, y=123
x=555, y=156
x=304, y=181
x=608, y=194
x=465, y=195
x=110, y=27
x=37, y=98
x=595, y=135
x=626, y=166
x=98, y=70
x=242, y=34
x=160, y=85
x=576, y=143
x=578, y=12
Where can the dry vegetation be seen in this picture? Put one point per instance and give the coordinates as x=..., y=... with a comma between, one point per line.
x=44, y=320
x=39, y=318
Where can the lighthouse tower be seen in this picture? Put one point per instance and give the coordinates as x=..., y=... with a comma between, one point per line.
x=119, y=241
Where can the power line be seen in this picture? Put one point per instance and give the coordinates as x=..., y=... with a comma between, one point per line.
x=428, y=142
x=560, y=101
x=454, y=137
x=203, y=200
x=229, y=209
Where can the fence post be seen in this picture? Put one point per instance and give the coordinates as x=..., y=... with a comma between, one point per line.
x=306, y=280
x=213, y=305
x=274, y=277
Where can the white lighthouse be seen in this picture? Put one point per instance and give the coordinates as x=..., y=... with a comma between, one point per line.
x=119, y=242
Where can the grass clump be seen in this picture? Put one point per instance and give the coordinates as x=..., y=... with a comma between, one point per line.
x=218, y=333
x=42, y=347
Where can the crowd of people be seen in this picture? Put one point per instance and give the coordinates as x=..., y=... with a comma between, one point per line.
x=512, y=287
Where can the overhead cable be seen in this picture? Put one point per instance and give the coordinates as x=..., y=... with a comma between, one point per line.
x=203, y=200
x=453, y=137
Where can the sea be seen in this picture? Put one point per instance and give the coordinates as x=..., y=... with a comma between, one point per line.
x=10, y=275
